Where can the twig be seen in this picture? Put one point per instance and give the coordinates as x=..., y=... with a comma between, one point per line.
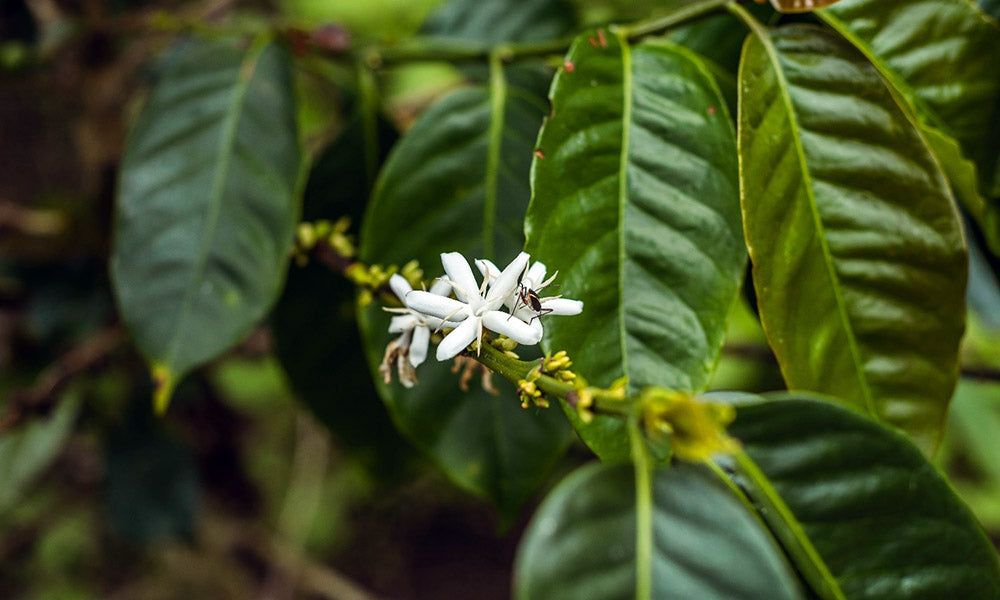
x=39, y=398
x=31, y=221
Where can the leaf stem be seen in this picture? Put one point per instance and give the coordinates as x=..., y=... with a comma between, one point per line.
x=514, y=370
x=443, y=49
x=643, y=511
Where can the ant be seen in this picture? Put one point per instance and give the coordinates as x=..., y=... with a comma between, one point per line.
x=529, y=297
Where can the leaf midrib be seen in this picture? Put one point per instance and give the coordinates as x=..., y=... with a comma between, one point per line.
x=227, y=141
x=498, y=106
x=835, y=285
x=623, y=158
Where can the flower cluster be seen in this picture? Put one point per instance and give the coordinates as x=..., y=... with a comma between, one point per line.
x=475, y=307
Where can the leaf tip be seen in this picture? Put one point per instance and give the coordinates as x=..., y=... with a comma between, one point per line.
x=163, y=388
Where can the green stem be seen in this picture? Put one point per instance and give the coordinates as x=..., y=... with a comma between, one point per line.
x=788, y=529
x=440, y=49
x=643, y=511
x=677, y=16
x=514, y=370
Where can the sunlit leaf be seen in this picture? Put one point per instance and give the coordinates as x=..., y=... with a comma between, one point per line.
x=858, y=254
x=955, y=89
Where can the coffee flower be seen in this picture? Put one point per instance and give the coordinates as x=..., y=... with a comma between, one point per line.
x=533, y=280
x=409, y=350
x=477, y=305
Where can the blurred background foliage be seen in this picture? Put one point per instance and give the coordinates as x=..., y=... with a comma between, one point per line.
x=277, y=472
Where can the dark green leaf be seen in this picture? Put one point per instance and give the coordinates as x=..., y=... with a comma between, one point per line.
x=458, y=181
x=881, y=520
x=581, y=543
x=206, y=205
x=635, y=203
x=858, y=254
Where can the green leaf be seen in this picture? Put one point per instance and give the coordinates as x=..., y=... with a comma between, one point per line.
x=206, y=205
x=635, y=203
x=30, y=448
x=942, y=54
x=580, y=544
x=487, y=24
x=458, y=181
x=858, y=254
x=877, y=517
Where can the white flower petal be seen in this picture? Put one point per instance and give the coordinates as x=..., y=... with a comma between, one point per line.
x=487, y=268
x=458, y=339
x=505, y=284
x=535, y=276
x=435, y=323
x=512, y=327
x=402, y=323
x=563, y=306
x=460, y=273
x=436, y=306
x=400, y=286
x=418, y=345
x=440, y=287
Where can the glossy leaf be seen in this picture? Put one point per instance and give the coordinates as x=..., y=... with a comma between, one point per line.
x=635, y=203
x=942, y=54
x=882, y=522
x=858, y=254
x=206, y=205
x=581, y=543
x=441, y=191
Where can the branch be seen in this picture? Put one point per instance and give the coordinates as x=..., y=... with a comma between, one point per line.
x=443, y=49
x=39, y=398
